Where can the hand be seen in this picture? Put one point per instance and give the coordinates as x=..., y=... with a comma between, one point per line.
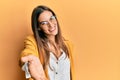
x=35, y=67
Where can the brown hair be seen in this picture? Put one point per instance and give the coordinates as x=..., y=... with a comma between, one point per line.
x=41, y=38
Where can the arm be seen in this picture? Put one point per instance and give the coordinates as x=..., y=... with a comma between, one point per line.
x=30, y=55
x=35, y=67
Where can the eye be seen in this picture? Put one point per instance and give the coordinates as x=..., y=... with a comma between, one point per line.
x=43, y=23
x=52, y=18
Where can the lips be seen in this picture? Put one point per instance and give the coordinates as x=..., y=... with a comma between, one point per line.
x=51, y=30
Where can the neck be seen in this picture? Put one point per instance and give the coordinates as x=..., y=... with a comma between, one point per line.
x=52, y=39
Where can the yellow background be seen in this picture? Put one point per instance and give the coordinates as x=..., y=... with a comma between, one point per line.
x=92, y=25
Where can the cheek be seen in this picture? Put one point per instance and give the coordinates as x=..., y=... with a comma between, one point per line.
x=57, y=27
x=44, y=28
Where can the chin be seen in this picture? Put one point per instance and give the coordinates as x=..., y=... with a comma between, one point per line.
x=55, y=33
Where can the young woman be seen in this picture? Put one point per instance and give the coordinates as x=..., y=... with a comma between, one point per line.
x=47, y=55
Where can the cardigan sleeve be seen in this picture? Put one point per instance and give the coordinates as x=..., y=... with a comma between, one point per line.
x=30, y=47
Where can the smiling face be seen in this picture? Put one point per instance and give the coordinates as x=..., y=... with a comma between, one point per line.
x=48, y=24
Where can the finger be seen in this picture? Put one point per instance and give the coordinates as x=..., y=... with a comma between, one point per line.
x=26, y=58
x=30, y=62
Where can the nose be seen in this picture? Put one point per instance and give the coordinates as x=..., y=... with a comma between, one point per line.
x=51, y=24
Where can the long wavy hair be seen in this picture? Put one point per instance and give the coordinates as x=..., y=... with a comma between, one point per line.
x=41, y=38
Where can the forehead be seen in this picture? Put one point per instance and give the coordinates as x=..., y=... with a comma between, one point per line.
x=44, y=16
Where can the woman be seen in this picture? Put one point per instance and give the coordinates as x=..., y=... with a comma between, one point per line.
x=47, y=55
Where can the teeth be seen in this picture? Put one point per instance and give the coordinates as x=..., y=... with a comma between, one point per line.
x=52, y=29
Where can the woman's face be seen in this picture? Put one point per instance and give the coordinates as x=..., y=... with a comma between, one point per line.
x=48, y=23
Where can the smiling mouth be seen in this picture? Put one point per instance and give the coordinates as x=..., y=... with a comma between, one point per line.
x=51, y=30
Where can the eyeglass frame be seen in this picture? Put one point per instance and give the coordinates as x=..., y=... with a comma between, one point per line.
x=52, y=20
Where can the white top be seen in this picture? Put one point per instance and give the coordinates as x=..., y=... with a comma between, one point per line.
x=59, y=69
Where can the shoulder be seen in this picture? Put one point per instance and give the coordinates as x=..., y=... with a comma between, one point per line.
x=69, y=45
x=30, y=41
x=30, y=38
x=68, y=42
x=30, y=46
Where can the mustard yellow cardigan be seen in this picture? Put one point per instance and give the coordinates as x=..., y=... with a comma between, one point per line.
x=30, y=47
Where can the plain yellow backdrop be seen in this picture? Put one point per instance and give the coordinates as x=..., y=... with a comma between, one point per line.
x=93, y=26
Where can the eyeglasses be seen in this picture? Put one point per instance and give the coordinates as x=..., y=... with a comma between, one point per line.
x=46, y=23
